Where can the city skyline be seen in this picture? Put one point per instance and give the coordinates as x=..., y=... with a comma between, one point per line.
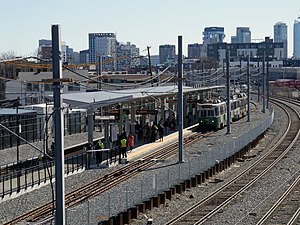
x=142, y=23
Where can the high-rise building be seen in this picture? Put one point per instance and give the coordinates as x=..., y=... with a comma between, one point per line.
x=45, y=42
x=45, y=51
x=211, y=35
x=84, y=56
x=297, y=38
x=127, y=56
x=101, y=44
x=280, y=35
x=215, y=33
x=243, y=35
x=194, y=51
x=166, y=54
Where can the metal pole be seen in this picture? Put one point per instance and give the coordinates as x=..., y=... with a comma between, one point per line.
x=264, y=84
x=99, y=73
x=59, y=125
x=100, y=68
x=248, y=86
x=268, y=77
x=18, y=152
x=228, y=91
x=90, y=126
x=150, y=66
x=180, y=101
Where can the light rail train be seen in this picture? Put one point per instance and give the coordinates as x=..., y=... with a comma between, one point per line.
x=213, y=112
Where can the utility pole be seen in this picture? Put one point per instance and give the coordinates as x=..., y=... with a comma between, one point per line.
x=180, y=101
x=248, y=86
x=228, y=91
x=59, y=125
x=150, y=67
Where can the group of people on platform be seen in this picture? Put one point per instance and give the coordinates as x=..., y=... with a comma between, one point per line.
x=156, y=131
x=146, y=134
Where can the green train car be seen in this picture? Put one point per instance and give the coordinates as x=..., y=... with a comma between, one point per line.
x=213, y=112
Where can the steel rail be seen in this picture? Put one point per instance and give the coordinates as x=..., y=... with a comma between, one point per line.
x=290, y=191
x=108, y=181
x=217, y=200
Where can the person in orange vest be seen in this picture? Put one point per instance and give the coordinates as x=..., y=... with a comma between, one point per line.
x=130, y=141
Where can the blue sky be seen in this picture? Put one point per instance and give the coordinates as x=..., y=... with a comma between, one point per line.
x=144, y=23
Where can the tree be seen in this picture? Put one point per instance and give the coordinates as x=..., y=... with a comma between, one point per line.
x=8, y=55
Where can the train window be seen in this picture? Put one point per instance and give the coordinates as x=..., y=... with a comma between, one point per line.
x=203, y=113
x=221, y=110
x=210, y=113
x=216, y=111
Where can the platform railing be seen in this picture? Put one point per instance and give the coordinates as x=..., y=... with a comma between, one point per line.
x=22, y=179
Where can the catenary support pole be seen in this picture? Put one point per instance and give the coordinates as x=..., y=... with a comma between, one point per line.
x=228, y=92
x=59, y=125
x=150, y=66
x=180, y=101
x=267, y=82
x=264, y=84
x=248, y=87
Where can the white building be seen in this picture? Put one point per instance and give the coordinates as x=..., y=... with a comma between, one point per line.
x=30, y=88
x=297, y=38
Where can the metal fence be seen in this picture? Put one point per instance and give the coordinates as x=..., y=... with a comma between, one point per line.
x=148, y=184
x=153, y=182
x=18, y=179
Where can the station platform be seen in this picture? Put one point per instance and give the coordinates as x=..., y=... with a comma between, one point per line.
x=146, y=148
x=140, y=150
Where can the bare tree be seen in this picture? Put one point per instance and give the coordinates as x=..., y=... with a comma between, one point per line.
x=8, y=55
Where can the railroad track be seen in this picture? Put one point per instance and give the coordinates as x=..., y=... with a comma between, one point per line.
x=286, y=209
x=108, y=181
x=212, y=204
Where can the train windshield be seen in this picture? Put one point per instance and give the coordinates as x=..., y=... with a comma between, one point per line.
x=207, y=113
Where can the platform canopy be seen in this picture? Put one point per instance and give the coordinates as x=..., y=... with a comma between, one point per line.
x=109, y=97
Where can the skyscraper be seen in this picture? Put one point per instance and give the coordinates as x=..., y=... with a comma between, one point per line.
x=297, y=38
x=101, y=44
x=215, y=33
x=211, y=35
x=194, y=51
x=127, y=56
x=166, y=53
x=280, y=35
x=243, y=35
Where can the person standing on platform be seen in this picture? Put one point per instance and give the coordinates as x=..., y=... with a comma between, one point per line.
x=154, y=131
x=160, y=132
x=124, y=147
x=166, y=125
x=146, y=129
x=89, y=154
x=130, y=141
x=99, y=146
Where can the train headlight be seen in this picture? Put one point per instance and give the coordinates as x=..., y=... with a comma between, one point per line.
x=212, y=121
